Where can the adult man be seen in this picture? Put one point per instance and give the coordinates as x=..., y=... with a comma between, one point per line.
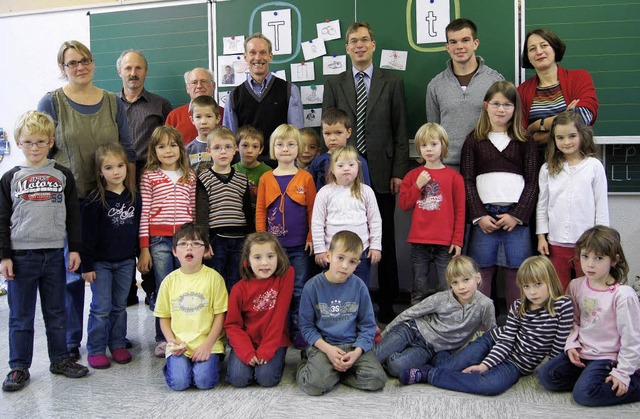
x=381, y=137
x=454, y=97
x=263, y=100
x=199, y=82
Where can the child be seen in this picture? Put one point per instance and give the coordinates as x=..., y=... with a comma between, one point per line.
x=500, y=171
x=205, y=115
x=191, y=305
x=310, y=148
x=251, y=142
x=573, y=193
x=336, y=318
x=285, y=203
x=435, y=193
x=346, y=203
x=537, y=325
x=223, y=205
x=110, y=222
x=443, y=321
x=602, y=352
x=38, y=208
x=336, y=130
x=256, y=322
x=168, y=190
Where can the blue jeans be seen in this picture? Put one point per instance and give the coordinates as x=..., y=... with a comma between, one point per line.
x=588, y=385
x=447, y=373
x=163, y=264
x=363, y=270
x=226, y=258
x=74, y=302
x=423, y=257
x=33, y=269
x=240, y=374
x=108, y=312
x=403, y=347
x=299, y=260
x=181, y=373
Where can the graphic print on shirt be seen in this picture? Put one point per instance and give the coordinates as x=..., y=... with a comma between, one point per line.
x=190, y=303
x=266, y=301
x=431, y=197
x=336, y=310
x=591, y=312
x=121, y=214
x=276, y=227
x=40, y=187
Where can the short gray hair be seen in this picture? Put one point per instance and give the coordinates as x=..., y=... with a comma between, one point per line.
x=135, y=51
x=257, y=35
x=186, y=74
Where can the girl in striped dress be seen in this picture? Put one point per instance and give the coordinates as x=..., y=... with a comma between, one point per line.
x=537, y=326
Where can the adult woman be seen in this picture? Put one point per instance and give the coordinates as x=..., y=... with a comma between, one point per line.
x=86, y=117
x=553, y=89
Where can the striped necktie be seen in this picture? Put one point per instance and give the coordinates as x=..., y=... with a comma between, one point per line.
x=361, y=114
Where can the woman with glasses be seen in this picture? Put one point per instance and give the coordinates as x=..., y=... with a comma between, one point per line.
x=86, y=117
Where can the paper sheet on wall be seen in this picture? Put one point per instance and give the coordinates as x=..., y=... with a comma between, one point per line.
x=303, y=71
x=233, y=44
x=312, y=95
x=312, y=117
x=432, y=17
x=334, y=64
x=313, y=48
x=281, y=74
x=276, y=25
x=223, y=98
x=393, y=60
x=328, y=30
x=232, y=70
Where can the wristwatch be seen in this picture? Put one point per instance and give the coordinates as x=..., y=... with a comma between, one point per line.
x=542, y=128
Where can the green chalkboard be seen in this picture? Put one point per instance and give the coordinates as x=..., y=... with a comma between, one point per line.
x=602, y=37
x=622, y=165
x=173, y=39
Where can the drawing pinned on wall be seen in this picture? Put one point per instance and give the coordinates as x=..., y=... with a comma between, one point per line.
x=313, y=48
x=334, y=64
x=304, y=71
x=328, y=30
x=432, y=17
x=312, y=95
x=223, y=98
x=281, y=74
x=233, y=44
x=393, y=60
x=312, y=117
x=276, y=25
x=232, y=70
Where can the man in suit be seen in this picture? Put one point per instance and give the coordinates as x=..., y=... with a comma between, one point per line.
x=382, y=141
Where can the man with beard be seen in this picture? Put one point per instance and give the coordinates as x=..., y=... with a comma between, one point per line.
x=263, y=100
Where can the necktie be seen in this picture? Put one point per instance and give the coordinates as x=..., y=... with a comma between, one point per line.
x=361, y=113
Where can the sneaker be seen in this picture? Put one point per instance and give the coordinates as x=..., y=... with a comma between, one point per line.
x=99, y=361
x=74, y=353
x=16, y=379
x=69, y=368
x=121, y=355
x=414, y=376
x=161, y=349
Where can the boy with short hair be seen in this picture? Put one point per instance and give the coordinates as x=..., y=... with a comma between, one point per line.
x=336, y=130
x=336, y=318
x=205, y=115
x=38, y=209
x=191, y=305
x=223, y=205
x=310, y=148
x=251, y=143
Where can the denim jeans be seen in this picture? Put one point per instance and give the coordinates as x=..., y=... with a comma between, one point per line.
x=108, y=312
x=181, y=373
x=33, y=269
x=74, y=301
x=240, y=374
x=226, y=258
x=403, y=347
x=299, y=260
x=163, y=264
x=363, y=270
x=588, y=383
x=423, y=258
x=484, y=248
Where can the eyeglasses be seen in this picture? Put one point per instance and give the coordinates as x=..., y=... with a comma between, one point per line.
x=219, y=148
x=194, y=245
x=30, y=144
x=73, y=63
x=354, y=41
x=505, y=106
x=281, y=146
x=202, y=82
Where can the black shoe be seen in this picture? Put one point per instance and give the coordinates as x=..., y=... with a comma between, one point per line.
x=74, y=353
x=16, y=379
x=386, y=315
x=69, y=368
x=132, y=301
x=127, y=343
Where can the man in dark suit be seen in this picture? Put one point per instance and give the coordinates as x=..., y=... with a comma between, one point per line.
x=381, y=138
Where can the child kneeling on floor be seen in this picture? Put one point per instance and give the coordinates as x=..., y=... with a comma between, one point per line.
x=336, y=318
x=191, y=305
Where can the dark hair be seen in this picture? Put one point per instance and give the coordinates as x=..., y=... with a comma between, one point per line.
x=354, y=28
x=190, y=231
x=202, y=102
x=553, y=40
x=460, y=24
x=112, y=150
x=605, y=241
x=249, y=132
x=171, y=135
x=334, y=116
x=262, y=237
x=555, y=157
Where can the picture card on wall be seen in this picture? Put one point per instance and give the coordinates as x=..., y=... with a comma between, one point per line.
x=233, y=44
x=313, y=48
x=312, y=95
x=304, y=71
x=312, y=117
x=328, y=30
x=276, y=25
x=334, y=64
x=223, y=97
x=232, y=70
x=281, y=74
x=393, y=60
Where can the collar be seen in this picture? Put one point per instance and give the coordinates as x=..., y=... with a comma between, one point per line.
x=368, y=71
x=143, y=95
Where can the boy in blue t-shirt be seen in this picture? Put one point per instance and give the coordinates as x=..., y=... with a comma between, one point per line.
x=205, y=115
x=336, y=318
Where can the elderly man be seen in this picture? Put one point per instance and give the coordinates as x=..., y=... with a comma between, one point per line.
x=199, y=82
x=263, y=100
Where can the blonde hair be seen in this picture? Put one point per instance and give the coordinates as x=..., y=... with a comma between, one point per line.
x=515, y=129
x=348, y=241
x=605, y=241
x=348, y=153
x=172, y=135
x=553, y=155
x=113, y=150
x=78, y=46
x=34, y=122
x=262, y=237
x=284, y=132
x=538, y=269
x=428, y=131
x=221, y=133
x=461, y=267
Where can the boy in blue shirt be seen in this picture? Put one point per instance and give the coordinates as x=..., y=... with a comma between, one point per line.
x=205, y=115
x=336, y=318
